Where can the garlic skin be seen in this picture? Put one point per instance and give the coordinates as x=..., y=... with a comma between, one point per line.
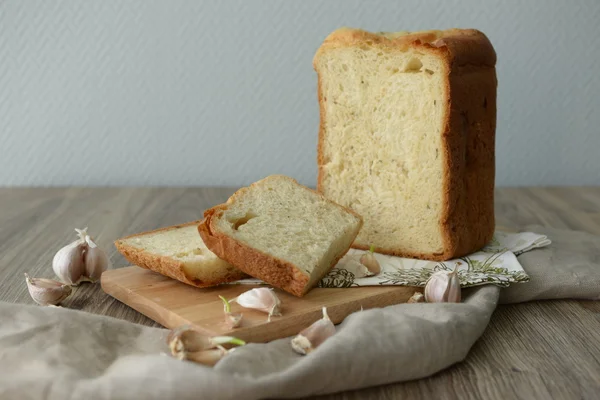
x=312, y=337
x=95, y=261
x=47, y=292
x=443, y=287
x=369, y=261
x=262, y=299
x=418, y=297
x=232, y=320
x=67, y=263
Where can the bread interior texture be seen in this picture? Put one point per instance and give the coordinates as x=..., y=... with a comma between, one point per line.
x=185, y=245
x=382, y=151
x=278, y=217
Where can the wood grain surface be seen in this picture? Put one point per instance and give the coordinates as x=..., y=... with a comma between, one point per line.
x=538, y=350
x=172, y=304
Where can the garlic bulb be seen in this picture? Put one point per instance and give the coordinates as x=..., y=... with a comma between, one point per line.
x=262, y=299
x=68, y=261
x=443, y=287
x=369, y=261
x=187, y=343
x=47, y=292
x=81, y=260
x=95, y=261
x=312, y=337
x=232, y=320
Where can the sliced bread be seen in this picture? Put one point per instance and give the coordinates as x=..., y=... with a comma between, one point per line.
x=281, y=232
x=179, y=253
x=407, y=138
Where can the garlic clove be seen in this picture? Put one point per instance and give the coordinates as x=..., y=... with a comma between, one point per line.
x=418, y=297
x=453, y=294
x=369, y=261
x=67, y=263
x=47, y=292
x=95, y=261
x=185, y=340
x=262, y=299
x=356, y=268
x=232, y=320
x=312, y=337
x=443, y=287
x=207, y=357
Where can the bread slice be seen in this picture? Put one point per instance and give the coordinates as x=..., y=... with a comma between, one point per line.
x=179, y=253
x=407, y=138
x=281, y=232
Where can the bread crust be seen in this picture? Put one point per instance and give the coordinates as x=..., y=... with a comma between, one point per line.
x=275, y=271
x=468, y=133
x=165, y=265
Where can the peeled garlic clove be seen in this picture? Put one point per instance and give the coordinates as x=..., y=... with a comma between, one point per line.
x=369, y=261
x=417, y=298
x=95, y=261
x=67, y=263
x=312, y=337
x=47, y=292
x=443, y=287
x=262, y=299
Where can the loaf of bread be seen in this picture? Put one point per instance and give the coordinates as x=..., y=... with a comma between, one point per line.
x=407, y=138
x=178, y=252
x=281, y=232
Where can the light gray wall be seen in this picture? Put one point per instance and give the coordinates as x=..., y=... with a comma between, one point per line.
x=223, y=93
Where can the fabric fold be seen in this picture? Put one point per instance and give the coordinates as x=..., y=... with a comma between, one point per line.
x=569, y=269
x=105, y=358
x=58, y=353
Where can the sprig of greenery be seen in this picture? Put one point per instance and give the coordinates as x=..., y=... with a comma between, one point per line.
x=226, y=305
x=217, y=340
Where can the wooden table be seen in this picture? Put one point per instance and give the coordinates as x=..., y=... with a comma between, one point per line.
x=35, y=223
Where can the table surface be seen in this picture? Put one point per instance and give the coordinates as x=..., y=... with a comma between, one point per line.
x=529, y=350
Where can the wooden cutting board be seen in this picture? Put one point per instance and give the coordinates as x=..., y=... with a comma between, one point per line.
x=172, y=304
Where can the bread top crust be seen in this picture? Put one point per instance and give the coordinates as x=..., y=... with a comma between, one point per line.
x=218, y=209
x=458, y=46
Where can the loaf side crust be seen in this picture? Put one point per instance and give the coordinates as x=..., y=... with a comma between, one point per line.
x=276, y=272
x=165, y=265
x=462, y=50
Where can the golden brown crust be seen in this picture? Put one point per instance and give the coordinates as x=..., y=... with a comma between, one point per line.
x=459, y=46
x=277, y=272
x=467, y=223
x=168, y=266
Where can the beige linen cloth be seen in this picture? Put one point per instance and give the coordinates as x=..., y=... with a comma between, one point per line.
x=55, y=353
